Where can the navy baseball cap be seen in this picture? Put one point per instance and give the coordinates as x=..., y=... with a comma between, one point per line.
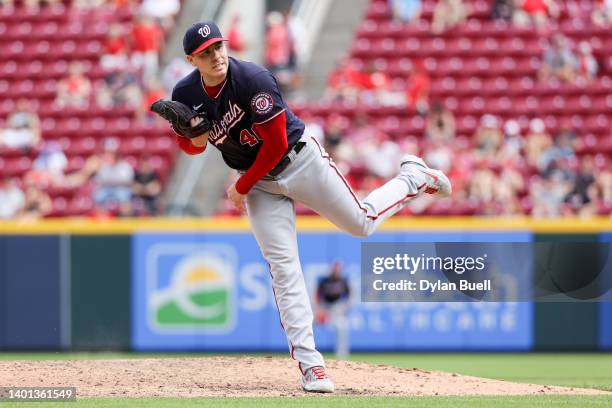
x=201, y=35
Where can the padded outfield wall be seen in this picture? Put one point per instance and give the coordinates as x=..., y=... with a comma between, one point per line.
x=136, y=285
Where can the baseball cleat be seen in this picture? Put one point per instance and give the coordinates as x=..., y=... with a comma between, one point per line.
x=315, y=380
x=436, y=181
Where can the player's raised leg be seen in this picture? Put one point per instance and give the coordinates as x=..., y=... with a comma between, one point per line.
x=272, y=217
x=327, y=192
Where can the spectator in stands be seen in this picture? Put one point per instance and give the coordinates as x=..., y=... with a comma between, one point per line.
x=582, y=181
x=440, y=124
x=536, y=141
x=562, y=149
x=75, y=89
x=37, y=203
x=164, y=11
x=112, y=180
x=375, y=86
x=405, y=10
x=278, y=48
x=381, y=156
x=147, y=39
x=278, y=42
x=509, y=183
x=153, y=91
x=559, y=61
x=146, y=187
x=116, y=49
x=536, y=12
x=22, y=129
x=12, y=198
x=603, y=181
x=503, y=9
x=235, y=40
x=512, y=147
x=334, y=135
x=344, y=82
x=119, y=89
x=602, y=12
x=48, y=167
x=448, y=14
x=548, y=194
x=488, y=137
x=482, y=183
x=587, y=64
x=417, y=88
x=439, y=153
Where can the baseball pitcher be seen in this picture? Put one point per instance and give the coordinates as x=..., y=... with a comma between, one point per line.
x=237, y=107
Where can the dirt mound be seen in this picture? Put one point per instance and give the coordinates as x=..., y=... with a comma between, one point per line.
x=248, y=377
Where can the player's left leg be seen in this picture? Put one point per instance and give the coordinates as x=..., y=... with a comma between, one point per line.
x=272, y=217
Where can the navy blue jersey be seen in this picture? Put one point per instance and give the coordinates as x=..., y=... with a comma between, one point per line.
x=250, y=96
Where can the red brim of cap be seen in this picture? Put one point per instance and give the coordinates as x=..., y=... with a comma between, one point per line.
x=206, y=44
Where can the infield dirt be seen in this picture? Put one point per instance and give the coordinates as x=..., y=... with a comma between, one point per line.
x=249, y=377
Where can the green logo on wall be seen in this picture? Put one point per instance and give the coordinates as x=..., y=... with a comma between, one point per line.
x=198, y=294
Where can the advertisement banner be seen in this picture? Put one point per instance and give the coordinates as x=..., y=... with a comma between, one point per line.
x=212, y=291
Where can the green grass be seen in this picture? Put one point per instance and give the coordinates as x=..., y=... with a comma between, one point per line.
x=323, y=401
x=573, y=370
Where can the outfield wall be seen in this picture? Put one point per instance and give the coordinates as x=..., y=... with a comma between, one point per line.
x=128, y=284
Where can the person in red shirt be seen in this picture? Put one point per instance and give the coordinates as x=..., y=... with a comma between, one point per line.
x=417, y=88
x=345, y=81
x=116, y=49
x=147, y=40
x=536, y=12
x=235, y=42
x=278, y=43
x=153, y=91
x=75, y=89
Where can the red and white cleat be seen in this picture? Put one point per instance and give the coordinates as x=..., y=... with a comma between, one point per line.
x=315, y=380
x=435, y=181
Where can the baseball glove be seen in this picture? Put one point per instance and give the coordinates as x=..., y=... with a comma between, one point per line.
x=179, y=115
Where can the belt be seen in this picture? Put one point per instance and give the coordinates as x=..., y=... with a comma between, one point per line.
x=288, y=158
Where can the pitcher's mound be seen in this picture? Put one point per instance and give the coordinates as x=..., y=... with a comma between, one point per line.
x=248, y=377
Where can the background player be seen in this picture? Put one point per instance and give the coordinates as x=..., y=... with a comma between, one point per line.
x=333, y=301
x=278, y=163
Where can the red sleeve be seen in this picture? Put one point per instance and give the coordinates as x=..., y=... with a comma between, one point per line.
x=273, y=135
x=186, y=146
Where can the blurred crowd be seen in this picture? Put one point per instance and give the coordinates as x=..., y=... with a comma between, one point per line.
x=502, y=169
x=131, y=81
x=115, y=185
x=506, y=167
